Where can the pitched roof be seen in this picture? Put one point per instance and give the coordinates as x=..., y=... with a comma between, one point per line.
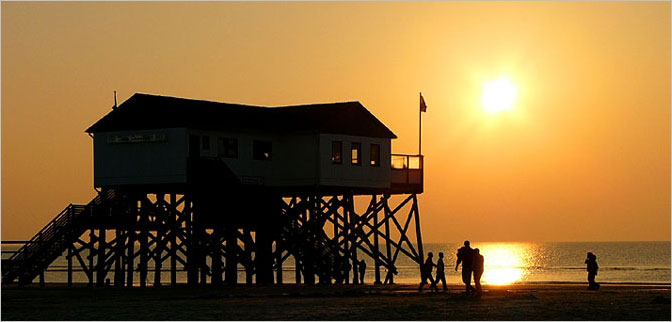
x=144, y=111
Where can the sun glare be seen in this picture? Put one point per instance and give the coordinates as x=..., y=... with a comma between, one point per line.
x=504, y=263
x=499, y=95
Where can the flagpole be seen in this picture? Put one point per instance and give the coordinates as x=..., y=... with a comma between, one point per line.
x=420, y=130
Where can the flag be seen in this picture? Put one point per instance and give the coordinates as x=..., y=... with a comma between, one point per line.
x=423, y=106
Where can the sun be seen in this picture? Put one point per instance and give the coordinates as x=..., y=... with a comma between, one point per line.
x=499, y=95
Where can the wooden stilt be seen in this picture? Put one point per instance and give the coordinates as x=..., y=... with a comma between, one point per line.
x=69, y=257
x=130, y=258
x=92, y=240
x=376, y=246
x=100, y=267
x=172, y=218
x=231, y=269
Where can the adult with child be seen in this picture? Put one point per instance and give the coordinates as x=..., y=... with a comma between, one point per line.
x=426, y=273
x=465, y=257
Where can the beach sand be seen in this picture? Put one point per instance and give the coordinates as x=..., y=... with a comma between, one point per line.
x=337, y=302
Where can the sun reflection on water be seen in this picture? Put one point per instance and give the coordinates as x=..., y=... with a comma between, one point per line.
x=505, y=262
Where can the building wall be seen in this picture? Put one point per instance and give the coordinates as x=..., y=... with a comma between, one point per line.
x=293, y=161
x=159, y=157
x=140, y=157
x=348, y=175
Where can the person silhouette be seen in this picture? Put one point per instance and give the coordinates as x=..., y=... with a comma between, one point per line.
x=426, y=273
x=465, y=256
x=591, y=267
x=478, y=270
x=362, y=270
x=440, y=272
x=346, y=271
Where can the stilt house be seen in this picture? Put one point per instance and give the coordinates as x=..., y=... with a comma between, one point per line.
x=154, y=140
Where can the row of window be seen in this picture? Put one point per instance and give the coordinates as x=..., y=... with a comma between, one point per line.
x=355, y=153
x=228, y=147
x=263, y=150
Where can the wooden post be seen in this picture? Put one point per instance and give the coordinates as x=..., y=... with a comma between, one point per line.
x=231, y=269
x=353, y=249
x=42, y=278
x=192, y=257
x=70, y=265
x=119, y=255
x=263, y=257
x=249, y=265
x=100, y=268
x=278, y=261
x=418, y=236
x=216, y=255
x=376, y=258
x=202, y=250
x=158, y=253
x=144, y=245
x=130, y=258
x=172, y=218
x=346, y=232
x=92, y=240
x=390, y=275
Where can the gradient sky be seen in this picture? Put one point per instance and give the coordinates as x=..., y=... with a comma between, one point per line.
x=584, y=155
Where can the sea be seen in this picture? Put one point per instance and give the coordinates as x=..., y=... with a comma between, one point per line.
x=505, y=263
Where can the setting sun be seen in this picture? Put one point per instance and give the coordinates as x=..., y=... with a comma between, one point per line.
x=499, y=95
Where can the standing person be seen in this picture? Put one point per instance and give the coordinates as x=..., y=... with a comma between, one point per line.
x=465, y=256
x=440, y=272
x=426, y=273
x=362, y=270
x=591, y=267
x=346, y=271
x=478, y=271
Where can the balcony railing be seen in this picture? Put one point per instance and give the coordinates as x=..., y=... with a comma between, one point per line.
x=407, y=172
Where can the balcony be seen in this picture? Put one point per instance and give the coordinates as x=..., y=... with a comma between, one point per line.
x=407, y=173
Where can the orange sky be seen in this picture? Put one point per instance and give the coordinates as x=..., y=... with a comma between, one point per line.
x=584, y=154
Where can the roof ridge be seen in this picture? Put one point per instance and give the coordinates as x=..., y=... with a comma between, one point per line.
x=192, y=99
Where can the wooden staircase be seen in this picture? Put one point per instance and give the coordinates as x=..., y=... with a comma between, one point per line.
x=50, y=242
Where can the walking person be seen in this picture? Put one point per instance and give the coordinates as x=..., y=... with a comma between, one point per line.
x=465, y=256
x=478, y=271
x=362, y=270
x=440, y=272
x=426, y=273
x=591, y=267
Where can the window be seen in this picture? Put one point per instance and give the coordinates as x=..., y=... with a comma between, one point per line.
x=206, y=142
x=262, y=150
x=375, y=155
x=356, y=153
x=336, y=152
x=227, y=147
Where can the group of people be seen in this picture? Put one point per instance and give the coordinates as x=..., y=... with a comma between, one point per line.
x=472, y=262
x=343, y=273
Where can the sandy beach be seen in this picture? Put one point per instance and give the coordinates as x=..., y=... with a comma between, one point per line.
x=338, y=302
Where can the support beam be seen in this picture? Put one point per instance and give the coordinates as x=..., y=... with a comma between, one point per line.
x=231, y=269
x=100, y=267
x=69, y=257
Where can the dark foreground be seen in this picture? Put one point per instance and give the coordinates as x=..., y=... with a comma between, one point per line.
x=342, y=302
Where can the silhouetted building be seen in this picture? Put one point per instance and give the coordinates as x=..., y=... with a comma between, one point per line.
x=205, y=186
